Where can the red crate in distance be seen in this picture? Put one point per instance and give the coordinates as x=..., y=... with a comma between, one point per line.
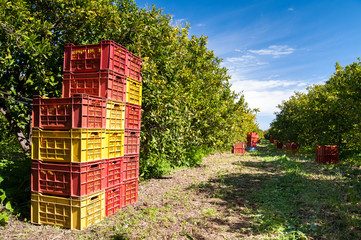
x=130, y=192
x=114, y=171
x=280, y=145
x=327, y=154
x=292, y=146
x=131, y=167
x=131, y=142
x=252, y=135
x=104, y=83
x=238, y=150
x=78, y=111
x=106, y=55
x=114, y=199
x=133, y=114
x=239, y=145
x=319, y=153
x=271, y=139
x=134, y=67
x=251, y=144
x=70, y=180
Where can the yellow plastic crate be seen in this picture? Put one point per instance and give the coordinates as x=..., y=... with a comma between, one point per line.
x=73, y=212
x=115, y=143
x=134, y=91
x=115, y=116
x=75, y=145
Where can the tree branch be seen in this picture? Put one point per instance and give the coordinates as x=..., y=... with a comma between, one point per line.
x=25, y=143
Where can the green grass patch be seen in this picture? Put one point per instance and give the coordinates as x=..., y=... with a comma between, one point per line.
x=308, y=200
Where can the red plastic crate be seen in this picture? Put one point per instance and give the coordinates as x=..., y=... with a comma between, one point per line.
x=238, y=150
x=327, y=154
x=131, y=142
x=104, y=83
x=106, y=55
x=130, y=167
x=292, y=146
x=114, y=199
x=130, y=192
x=251, y=144
x=134, y=67
x=133, y=114
x=114, y=171
x=78, y=111
x=71, y=179
x=279, y=145
x=239, y=145
x=271, y=139
x=319, y=153
x=252, y=135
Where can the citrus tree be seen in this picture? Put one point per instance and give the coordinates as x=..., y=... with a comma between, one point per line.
x=187, y=102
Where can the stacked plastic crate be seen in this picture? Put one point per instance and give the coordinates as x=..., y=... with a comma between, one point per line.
x=86, y=145
x=327, y=154
x=238, y=148
x=252, y=139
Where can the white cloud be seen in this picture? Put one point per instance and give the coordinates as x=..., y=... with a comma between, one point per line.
x=257, y=85
x=274, y=50
x=177, y=22
x=266, y=95
x=237, y=50
x=245, y=61
x=200, y=25
x=291, y=9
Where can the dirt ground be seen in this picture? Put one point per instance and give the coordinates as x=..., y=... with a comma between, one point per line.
x=206, y=202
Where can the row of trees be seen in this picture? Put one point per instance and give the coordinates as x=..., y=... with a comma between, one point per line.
x=326, y=114
x=187, y=107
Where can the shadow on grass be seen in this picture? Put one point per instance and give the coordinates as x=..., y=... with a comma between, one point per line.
x=15, y=170
x=290, y=197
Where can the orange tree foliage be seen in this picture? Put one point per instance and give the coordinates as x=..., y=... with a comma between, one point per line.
x=326, y=114
x=188, y=105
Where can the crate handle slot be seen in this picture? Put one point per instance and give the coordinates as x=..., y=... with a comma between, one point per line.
x=94, y=134
x=93, y=198
x=94, y=166
x=116, y=105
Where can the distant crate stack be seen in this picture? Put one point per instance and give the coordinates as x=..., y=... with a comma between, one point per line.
x=252, y=139
x=86, y=145
x=326, y=154
x=239, y=148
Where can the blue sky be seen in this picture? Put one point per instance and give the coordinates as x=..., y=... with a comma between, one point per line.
x=273, y=48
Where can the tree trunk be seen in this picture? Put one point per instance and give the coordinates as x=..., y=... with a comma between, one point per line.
x=25, y=143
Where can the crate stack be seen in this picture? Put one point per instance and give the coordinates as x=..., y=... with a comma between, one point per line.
x=292, y=148
x=326, y=154
x=239, y=148
x=85, y=153
x=252, y=139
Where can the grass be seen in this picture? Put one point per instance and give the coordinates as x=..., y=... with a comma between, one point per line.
x=308, y=199
x=264, y=194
